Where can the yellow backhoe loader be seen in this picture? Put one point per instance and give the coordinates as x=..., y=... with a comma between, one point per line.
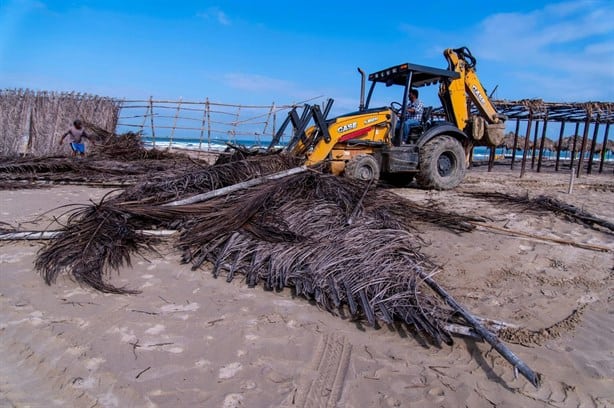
x=367, y=144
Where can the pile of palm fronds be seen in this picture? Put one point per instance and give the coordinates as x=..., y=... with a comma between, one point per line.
x=339, y=242
x=543, y=204
x=126, y=147
x=115, y=158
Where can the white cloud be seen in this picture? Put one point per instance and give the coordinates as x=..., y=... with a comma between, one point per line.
x=561, y=48
x=215, y=13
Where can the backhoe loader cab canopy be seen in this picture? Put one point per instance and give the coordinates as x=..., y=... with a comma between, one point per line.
x=420, y=75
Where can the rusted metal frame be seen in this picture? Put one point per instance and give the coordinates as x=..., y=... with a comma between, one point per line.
x=543, y=141
x=515, y=143
x=526, y=143
x=593, y=145
x=558, y=146
x=604, y=150
x=587, y=123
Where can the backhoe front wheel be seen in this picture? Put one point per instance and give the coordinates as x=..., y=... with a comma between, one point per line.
x=362, y=167
x=442, y=163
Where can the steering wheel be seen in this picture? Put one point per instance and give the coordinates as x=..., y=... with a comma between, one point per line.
x=396, y=107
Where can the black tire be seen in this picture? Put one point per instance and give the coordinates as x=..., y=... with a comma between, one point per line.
x=362, y=167
x=442, y=163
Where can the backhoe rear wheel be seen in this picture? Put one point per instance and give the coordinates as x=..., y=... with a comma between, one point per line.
x=362, y=167
x=442, y=163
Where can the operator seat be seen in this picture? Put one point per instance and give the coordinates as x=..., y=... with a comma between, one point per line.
x=417, y=130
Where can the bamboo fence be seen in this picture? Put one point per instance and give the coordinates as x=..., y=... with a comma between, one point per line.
x=202, y=124
x=32, y=123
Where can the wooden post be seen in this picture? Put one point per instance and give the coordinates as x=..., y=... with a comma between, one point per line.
x=573, y=145
x=526, y=143
x=515, y=143
x=584, y=141
x=534, y=144
x=558, y=147
x=202, y=127
x=603, y=150
x=266, y=122
x=170, y=142
x=275, y=124
x=593, y=144
x=491, y=158
x=208, y=110
x=151, y=119
x=233, y=132
x=543, y=140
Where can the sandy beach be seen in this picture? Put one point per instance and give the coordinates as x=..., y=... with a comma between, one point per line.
x=189, y=340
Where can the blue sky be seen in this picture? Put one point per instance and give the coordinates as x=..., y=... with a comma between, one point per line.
x=283, y=52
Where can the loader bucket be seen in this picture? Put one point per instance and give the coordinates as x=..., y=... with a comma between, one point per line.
x=495, y=133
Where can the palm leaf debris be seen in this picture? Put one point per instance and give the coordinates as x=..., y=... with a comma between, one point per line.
x=348, y=246
x=294, y=233
x=288, y=233
x=542, y=204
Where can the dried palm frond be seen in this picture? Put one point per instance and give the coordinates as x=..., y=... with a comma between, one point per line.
x=542, y=204
x=292, y=232
x=160, y=188
x=96, y=240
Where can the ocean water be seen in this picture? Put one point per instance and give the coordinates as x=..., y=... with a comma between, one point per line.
x=479, y=152
x=198, y=144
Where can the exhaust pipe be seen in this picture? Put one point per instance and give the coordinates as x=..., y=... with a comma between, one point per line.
x=362, y=89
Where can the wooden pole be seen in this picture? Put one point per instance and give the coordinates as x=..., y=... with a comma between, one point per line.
x=45, y=235
x=603, y=150
x=543, y=141
x=484, y=333
x=558, y=147
x=266, y=122
x=533, y=150
x=573, y=145
x=202, y=128
x=584, y=142
x=235, y=187
x=233, y=132
x=515, y=143
x=593, y=145
x=151, y=120
x=208, y=110
x=170, y=142
x=526, y=143
x=491, y=158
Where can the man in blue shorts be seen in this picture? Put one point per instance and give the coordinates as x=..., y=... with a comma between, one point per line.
x=77, y=134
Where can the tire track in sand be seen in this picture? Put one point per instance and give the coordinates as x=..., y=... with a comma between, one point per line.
x=322, y=384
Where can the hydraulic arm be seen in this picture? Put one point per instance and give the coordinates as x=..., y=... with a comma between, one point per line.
x=453, y=95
